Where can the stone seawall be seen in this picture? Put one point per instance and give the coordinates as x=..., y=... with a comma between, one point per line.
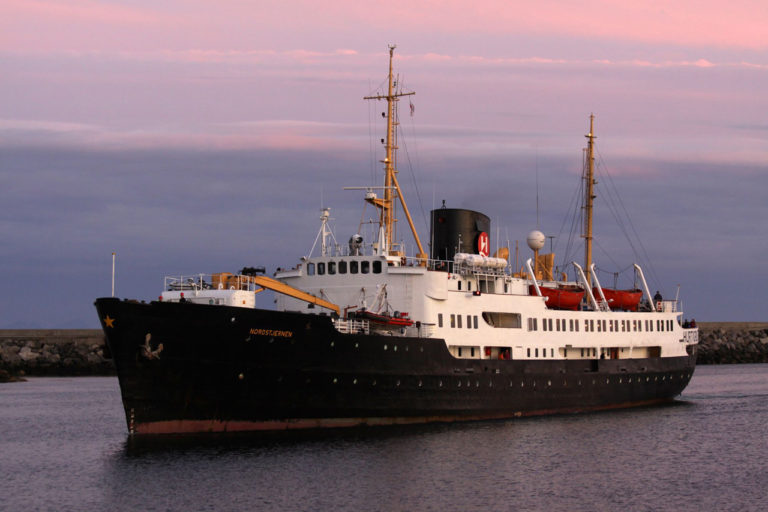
x=733, y=342
x=53, y=352
x=83, y=352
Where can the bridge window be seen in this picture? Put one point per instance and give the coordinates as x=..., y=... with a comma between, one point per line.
x=377, y=267
x=320, y=269
x=353, y=265
x=331, y=268
x=310, y=269
x=365, y=267
x=342, y=267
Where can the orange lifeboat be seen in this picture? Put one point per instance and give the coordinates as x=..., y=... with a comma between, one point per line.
x=560, y=297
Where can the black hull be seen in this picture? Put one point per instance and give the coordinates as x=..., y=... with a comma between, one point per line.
x=235, y=369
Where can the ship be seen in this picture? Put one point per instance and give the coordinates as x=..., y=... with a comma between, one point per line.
x=363, y=334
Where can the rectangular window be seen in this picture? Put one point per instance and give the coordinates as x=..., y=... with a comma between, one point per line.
x=549, y=321
x=577, y=325
x=458, y=321
x=459, y=285
x=365, y=267
x=453, y=321
x=604, y=329
x=320, y=269
x=353, y=267
x=331, y=268
x=503, y=320
x=537, y=352
x=377, y=267
x=543, y=352
x=469, y=286
x=342, y=267
x=310, y=269
x=543, y=324
x=599, y=326
x=469, y=321
x=475, y=318
x=529, y=352
x=472, y=352
x=439, y=319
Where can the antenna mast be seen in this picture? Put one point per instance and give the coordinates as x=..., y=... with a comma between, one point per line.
x=589, y=197
x=386, y=205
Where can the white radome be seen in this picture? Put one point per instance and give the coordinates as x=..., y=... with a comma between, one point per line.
x=536, y=240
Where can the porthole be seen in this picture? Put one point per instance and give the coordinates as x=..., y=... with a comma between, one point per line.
x=647, y=379
x=549, y=383
x=232, y=319
x=619, y=380
x=522, y=384
x=354, y=381
x=394, y=347
x=385, y=347
x=357, y=345
x=331, y=343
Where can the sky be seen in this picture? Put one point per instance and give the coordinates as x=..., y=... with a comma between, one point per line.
x=196, y=137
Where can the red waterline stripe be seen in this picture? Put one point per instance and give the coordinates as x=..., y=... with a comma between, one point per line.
x=212, y=426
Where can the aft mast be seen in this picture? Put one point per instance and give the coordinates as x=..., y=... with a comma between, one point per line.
x=589, y=197
x=386, y=205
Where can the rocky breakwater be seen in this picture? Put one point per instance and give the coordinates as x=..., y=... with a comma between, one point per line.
x=732, y=342
x=53, y=352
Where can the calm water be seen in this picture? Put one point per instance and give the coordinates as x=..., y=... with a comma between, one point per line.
x=64, y=446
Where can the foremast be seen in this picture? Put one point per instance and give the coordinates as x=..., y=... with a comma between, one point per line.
x=589, y=197
x=391, y=185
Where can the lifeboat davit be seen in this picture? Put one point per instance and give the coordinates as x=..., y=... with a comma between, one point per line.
x=560, y=297
x=621, y=299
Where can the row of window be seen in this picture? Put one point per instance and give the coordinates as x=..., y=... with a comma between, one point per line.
x=494, y=319
x=342, y=267
x=456, y=321
x=561, y=324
